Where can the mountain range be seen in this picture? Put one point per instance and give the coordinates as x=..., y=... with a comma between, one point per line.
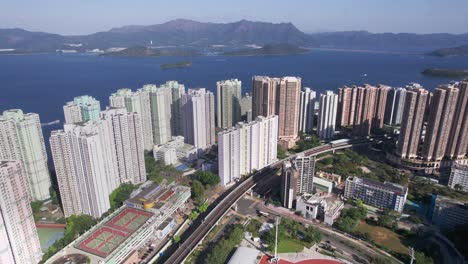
x=193, y=34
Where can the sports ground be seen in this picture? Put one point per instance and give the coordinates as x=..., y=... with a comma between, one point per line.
x=104, y=240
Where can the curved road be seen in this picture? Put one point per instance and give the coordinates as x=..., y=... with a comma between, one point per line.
x=210, y=220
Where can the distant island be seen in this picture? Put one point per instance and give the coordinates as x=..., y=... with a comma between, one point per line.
x=269, y=49
x=445, y=72
x=150, y=52
x=180, y=64
x=454, y=51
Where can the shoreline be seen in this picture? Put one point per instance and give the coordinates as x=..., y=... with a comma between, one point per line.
x=369, y=51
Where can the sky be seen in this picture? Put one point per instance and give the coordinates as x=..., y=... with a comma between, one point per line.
x=73, y=17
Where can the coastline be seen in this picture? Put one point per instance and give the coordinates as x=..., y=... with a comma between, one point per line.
x=369, y=51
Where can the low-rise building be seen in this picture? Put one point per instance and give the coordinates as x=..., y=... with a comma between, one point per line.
x=323, y=208
x=381, y=195
x=209, y=166
x=244, y=255
x=448, y=213
x=459, y=175
x=166, y=155
x=146, y=217
x=326, y=182
x=175, y=151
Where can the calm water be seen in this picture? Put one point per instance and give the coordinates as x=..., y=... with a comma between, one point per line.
x=43, y=83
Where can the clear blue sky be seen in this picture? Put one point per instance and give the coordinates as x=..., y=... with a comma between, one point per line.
x=89, y=16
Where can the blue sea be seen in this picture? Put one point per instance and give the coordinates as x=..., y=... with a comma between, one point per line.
x=42, y=83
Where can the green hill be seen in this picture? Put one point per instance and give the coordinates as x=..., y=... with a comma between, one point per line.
x=454, y=51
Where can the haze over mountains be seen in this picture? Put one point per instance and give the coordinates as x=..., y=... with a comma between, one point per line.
x=193, y=34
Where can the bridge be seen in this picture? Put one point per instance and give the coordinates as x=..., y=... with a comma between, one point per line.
x=189, y=244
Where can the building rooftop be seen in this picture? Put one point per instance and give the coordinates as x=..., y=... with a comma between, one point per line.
x=158, y=199
x=449, y=202
x=266, y=260
x=109, y=234
x=332, y=202
x=244, y=255
x=387, y=186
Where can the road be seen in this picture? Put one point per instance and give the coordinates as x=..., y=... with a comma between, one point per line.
x=189, y=244
x=364, y=246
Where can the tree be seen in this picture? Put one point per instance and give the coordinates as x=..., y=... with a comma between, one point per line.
x=36, y=206
x=385, y=221
x=198, y=191
x=359, y=203
x=202, y=207
x=307, y=143
x=421, y=258
x=220, y=252
x=53, y=195
x=193, y=215
x=207, y=178
x=119, y=195
x=281, y=152
x=312, y=235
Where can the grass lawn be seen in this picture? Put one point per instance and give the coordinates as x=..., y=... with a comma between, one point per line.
x=289, y=245
x=384, y=237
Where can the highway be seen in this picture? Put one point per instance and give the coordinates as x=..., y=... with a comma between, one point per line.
x=189, y=244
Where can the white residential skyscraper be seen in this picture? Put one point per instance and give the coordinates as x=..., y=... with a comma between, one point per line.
x=228, y=95
x=138, y=102
x=160, y=101
x=246, y=108
x=177, y=90
x=247, y=147
x=127, y=137
x=198, y=118
x=306, y=110
x=395, y=105
x=297, y=179
x=328, y=104
x=86, y=167
x=21, y=139
x=81, y=109
x=19, y=242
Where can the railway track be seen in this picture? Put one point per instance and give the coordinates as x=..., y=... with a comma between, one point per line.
x=184, y=250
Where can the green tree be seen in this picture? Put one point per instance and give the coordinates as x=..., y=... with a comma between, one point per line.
x=198, y=191
x=312, y=235
x=307, y=142
x=193, y=215
x=207, y=178
x=36, y=206
x=220, y=252
x=202, y=207
x=53, y=195
x=119, y=195
x=281, y=153
x=421, y=258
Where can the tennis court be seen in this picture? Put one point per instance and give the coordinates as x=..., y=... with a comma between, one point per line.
x=111, y=234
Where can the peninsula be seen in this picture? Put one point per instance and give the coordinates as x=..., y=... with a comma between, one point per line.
x=453, y=51
x=179, y=64
x=436, y=72
x=150, y=52
x=270, y=49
